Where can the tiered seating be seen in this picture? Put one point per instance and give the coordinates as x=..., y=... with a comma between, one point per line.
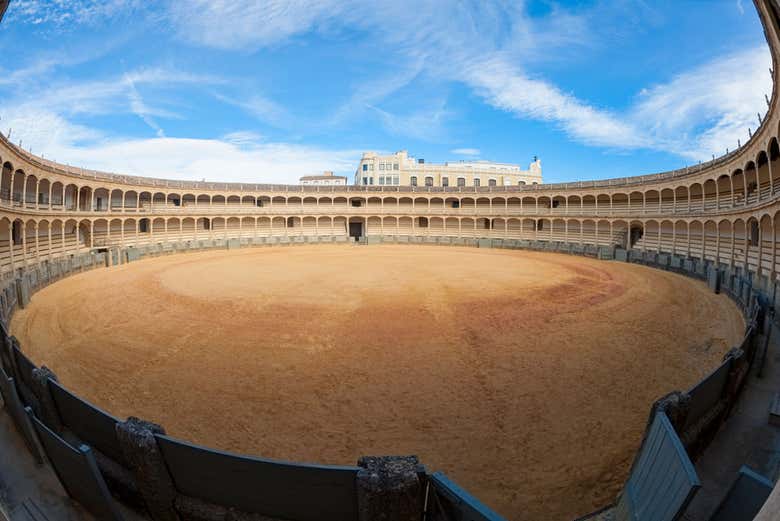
x=43, y=250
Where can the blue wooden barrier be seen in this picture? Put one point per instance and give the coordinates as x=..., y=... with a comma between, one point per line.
x=706, y=394
x=662, y=481
x=78, y=473
x=448, y=502
x=745, y=498
x=291, y=491
x=18, y=415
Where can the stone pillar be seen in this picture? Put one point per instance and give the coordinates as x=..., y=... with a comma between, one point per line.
x=22, y=292
x=390, y=489
x=139, y=447
x=675, y=405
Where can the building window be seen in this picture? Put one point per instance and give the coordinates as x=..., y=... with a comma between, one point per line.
x=381, y=166
x=422, y=222
x=365, y=167
x=381, y=179
x=491, y=182
x=476, y=181
x=429, y=181
x=456, y=204
x=371, y=180
x=461, y=181
x=395, y=166
x=355, y=203
x=413, y=180
x=396, y=180
x=365, y=180
x=521, y=183
x=290, y=222
x=445, y=181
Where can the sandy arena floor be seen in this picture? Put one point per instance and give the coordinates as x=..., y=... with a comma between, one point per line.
x=526, y=377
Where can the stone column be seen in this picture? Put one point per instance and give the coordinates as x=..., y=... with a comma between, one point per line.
x=155, y=485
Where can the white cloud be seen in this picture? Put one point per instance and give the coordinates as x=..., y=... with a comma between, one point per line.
x=100, y=97
x=707, y=109
x=427, y=124
x=465, y=151
x=242, y=138
x=140, y=109
x=239, y=24
x=215, y=160
x=264, y=109
x=68, y=13
x=241, y=156
x=44, y=131
x=504, y=86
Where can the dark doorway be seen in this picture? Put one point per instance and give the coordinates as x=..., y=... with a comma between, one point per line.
x=635, y=235
x=16, y=232
x=356, y=230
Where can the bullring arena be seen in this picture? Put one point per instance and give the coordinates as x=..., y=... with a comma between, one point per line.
x=336, y=347
x=545, y=351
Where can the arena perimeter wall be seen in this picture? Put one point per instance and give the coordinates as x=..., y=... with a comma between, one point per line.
x=96, y=455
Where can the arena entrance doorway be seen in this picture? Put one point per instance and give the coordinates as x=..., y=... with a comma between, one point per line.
x=635, y=234
x=356, y=229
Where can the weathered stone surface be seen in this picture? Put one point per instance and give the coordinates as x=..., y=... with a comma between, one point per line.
x=676, y=406
x=22, y=292
x=389, y=488
x=195, y=509
x=136, y=437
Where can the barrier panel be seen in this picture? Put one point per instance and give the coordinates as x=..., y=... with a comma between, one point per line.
x=23, y=376
x=662, y=480
x=78, y=473
x=275, y=489
x=18, y=415
x=745, y=497
x=91, y=425
x=448, y=502
x=707, y=394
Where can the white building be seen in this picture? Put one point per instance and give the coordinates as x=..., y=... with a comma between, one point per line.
x=326, y=179
x=402, y=169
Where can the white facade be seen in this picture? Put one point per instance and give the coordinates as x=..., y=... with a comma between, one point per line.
x=326, y=179
x=402, y=169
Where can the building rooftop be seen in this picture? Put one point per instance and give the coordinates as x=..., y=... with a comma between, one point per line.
x=317, y=177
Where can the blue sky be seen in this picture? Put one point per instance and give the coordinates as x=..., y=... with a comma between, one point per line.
x=267, y=91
